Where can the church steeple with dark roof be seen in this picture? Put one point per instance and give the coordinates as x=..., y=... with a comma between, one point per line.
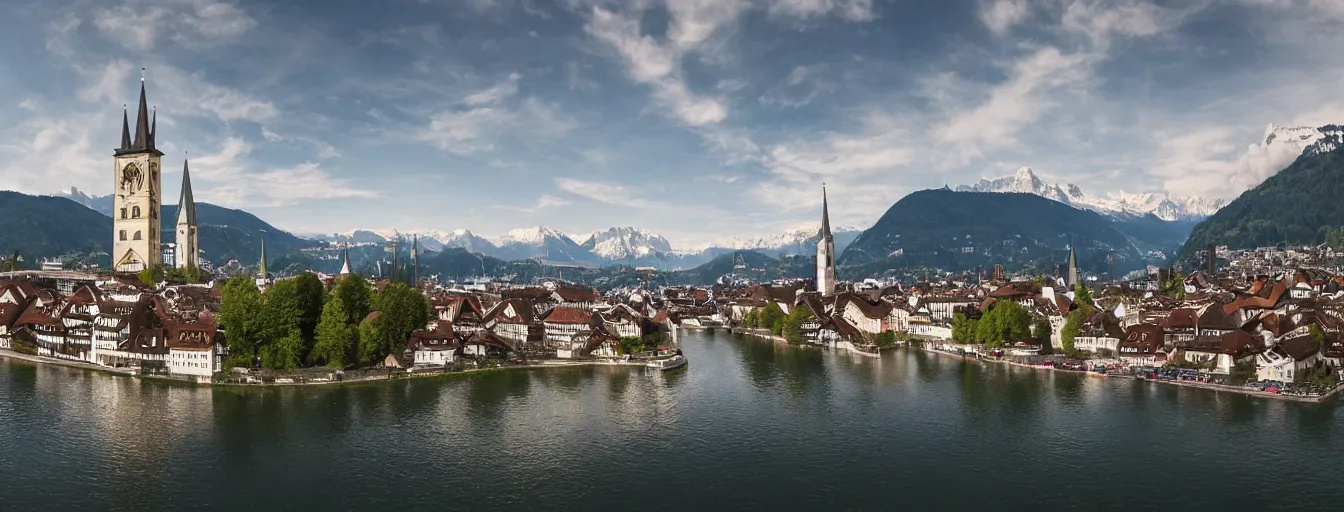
x=125, y=132
x=144, y=128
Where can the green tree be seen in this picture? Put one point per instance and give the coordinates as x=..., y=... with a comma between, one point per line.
x=1041, y=332
x=371, y=340
x=357, y=295
x=1005, y=322
x=1335, y=238
x=1072, y=325
x=402, y=310
x=284, y=353
x=240, y=316
x=772, y=317
x=1317, y=334
x=793, y=324
x=885, y=340
x=964, y=328
x=750, y=320
x=337, y=342
x=311, y=293
x=1082, y=297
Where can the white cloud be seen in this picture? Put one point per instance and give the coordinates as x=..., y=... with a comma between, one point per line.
x=852, y=10
x=1035, y=83
x=506, y=89
x=483, y=118
x=136, y=24
x=804, y=84
x=225, y=178
x=550, y=201
x=1001, y=15
x=599, y=191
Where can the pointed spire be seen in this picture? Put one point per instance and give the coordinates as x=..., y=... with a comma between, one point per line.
x=125, y=131
x=186, y=203
x=345, y=267
x=825, y=215
x=153, y=126
x=263, y=254
x=142, y=140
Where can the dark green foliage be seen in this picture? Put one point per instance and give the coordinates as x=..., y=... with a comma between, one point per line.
x=240, y=316
x=633, y=345
x=356, y=296
x=964, y=328
x=931, y=227
x=402, y=310
x=793, y=323
x=885, y=339
x=1005, y=323
x=337, y=339
x=1298, y=205
x=772, y=317
x=1040, y=333
x=1072, y=324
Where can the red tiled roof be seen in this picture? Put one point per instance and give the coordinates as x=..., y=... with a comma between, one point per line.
x=562, y=315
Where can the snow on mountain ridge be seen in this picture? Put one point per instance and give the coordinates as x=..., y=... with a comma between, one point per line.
x=1161, y=205
x=620, y=243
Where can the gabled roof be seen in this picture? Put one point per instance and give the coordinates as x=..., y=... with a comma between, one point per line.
x=563, y=315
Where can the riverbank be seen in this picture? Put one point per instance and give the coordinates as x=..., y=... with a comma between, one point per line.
x=389, y=375
x=1199, y=385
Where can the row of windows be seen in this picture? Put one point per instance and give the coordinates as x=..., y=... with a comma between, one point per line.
x=135, y=212
x=122, y=235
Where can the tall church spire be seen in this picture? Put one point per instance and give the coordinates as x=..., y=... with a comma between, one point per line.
x=186, y=203
x=262, y=270
x=345, y=267
x=825, y=251
x=142, y=141
x=125, y=132
x=825, y=215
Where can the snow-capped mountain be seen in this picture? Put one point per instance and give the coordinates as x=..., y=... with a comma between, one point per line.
x=626, y=243
x=796, y=241
x=1161, y=205
x=100, y=204
x=546, y=244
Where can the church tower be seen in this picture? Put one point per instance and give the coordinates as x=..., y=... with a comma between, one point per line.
x=136, y=195
x=825, y=252
x=187, y=238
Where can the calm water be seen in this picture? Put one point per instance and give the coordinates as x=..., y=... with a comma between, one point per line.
x=748, y=425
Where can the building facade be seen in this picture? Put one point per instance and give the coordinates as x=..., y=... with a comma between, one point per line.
x=137, y=195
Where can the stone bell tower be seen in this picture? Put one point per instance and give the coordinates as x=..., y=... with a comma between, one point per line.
x=136, y=194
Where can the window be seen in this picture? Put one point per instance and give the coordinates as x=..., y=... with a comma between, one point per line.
x=135, y=212
x=123, y=213
x=137, y=235
x=123, y=232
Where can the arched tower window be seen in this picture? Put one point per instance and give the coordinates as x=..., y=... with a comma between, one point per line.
x=123, y=213
x=123, y=235
x=137, y=236
x=135, y=212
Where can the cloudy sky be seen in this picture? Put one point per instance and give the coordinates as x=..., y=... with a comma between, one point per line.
x=699, y=119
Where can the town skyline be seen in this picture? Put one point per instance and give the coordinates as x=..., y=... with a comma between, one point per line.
x=634, y=110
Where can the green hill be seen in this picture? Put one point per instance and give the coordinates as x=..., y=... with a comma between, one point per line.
x=1297, y=205
x=42, y=226
x=758, y=267
x=226, y=234
x=961, y=230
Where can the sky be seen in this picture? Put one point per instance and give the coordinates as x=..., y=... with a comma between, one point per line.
x=701, y=120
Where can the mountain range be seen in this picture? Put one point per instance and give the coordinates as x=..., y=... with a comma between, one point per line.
x=617, y=245
x=1297, y=205
x=1162, y=206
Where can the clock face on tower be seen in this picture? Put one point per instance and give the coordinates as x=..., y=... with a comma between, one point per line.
x=132, y=180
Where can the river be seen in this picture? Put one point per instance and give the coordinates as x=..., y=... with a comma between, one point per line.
x=748, y=425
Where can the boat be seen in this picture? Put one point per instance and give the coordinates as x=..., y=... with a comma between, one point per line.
x=670, y=363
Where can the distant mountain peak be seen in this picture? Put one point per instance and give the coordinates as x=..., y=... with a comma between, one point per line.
x=1025, y=181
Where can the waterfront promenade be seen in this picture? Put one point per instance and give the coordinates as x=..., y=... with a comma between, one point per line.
x=1189, y=384
x=360, y=376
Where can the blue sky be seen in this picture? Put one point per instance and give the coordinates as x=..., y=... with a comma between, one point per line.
x=699, y=119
